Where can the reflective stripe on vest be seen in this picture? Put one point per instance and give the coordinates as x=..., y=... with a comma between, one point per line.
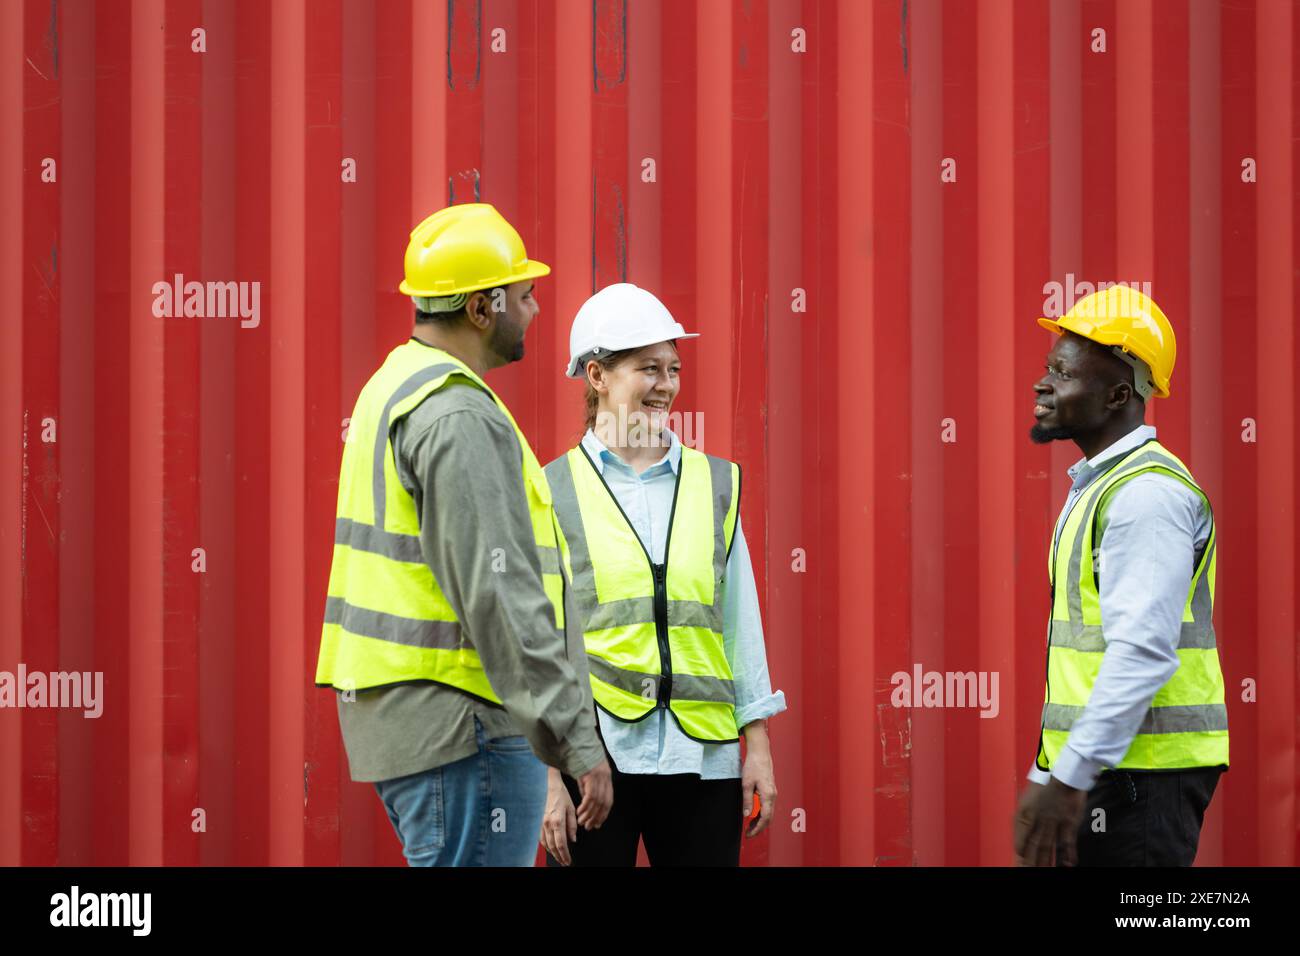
x=387, y=620
x=1187, y=722
x=653, y=633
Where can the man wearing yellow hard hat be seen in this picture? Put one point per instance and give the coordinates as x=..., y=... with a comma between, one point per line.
x=444, y=624
x=1134, y=728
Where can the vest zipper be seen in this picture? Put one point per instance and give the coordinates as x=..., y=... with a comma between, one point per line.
x=1051, y=610
x=661, y=632
x=1047, y=664
x=660, y=573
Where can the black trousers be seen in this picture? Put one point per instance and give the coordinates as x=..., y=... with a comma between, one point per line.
x=684, y=821
x=1147, y=817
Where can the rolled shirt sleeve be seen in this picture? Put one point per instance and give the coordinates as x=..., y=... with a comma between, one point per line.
x=476, y=535
x=742, y=638
x=1146, y=565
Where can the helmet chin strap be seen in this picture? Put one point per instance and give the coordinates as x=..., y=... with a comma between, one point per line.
x=1142, y=382
x=441, y=303
x=588, y=356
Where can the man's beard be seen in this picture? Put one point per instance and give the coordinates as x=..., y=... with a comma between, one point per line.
x=504, y=345
x=1042, y=434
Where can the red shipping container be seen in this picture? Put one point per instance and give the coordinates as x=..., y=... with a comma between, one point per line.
x=861, y=205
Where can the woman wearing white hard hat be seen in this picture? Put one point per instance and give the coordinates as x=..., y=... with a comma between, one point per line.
x=666, y=603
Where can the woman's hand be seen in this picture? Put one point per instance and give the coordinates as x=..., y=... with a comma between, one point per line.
x=560, y=822
x=757, y=776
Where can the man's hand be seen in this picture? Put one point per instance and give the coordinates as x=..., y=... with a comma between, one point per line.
x=1047, y=820
x=560, y=823
x=597, y=786
x=759, y=776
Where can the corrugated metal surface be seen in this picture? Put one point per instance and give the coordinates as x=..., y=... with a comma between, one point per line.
x=775, y=170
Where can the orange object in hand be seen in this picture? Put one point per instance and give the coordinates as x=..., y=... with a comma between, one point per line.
x=757, y=806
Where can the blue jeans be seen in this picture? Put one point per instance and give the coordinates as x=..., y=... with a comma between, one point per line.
x=484, y=810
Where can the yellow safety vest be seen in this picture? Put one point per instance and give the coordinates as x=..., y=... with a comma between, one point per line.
x=386, y=619
x=654, y=631
x=1187, y=722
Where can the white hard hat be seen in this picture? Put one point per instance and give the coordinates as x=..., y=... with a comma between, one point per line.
x=619, y=316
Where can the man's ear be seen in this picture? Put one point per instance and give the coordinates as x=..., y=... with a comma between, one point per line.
x=1121, y=394
x=478, y=310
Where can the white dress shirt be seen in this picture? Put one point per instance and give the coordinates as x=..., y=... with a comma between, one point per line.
x=1154, y=533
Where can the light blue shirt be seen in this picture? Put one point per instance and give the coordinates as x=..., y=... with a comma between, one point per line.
x=656, y=744
x=1155, y=532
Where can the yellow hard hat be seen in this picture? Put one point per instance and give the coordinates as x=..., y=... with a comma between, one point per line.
x=463, y=249
x=1132, y=325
